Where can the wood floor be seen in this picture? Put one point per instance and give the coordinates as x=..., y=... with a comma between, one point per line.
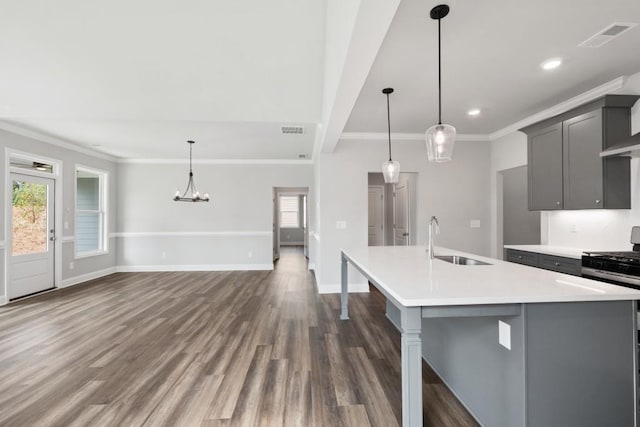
x=210, y=349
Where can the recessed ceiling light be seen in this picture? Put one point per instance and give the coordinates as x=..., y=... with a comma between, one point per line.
x=551, y=64
x=474, y=112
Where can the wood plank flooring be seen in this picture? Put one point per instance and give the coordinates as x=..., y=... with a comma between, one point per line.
x=206, y=349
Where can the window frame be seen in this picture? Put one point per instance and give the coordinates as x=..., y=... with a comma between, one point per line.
x=295, y=196
x=103, y=211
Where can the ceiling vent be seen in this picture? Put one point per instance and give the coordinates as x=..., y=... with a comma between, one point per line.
x=609, y=33
x=298, y=130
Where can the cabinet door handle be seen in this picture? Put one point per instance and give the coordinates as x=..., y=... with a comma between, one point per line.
x=519, y=256
x=597, y=201
x=558, y=203
x=557, y=264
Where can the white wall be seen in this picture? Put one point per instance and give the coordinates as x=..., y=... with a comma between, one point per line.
x=233, y=231
x=455, y=192
x=84, y=268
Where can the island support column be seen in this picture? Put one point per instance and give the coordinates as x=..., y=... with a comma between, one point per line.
x=411, y=355
x=344, y=297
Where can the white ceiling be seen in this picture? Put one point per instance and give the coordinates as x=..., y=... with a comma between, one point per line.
x=491, y=55
x=141, y=77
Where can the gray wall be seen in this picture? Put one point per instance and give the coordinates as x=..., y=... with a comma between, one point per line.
x=520, y=226
x=69, y=158
x=294, y=235
x=456, y=192
x=233, y=231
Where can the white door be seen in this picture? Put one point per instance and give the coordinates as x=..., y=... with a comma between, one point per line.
x=32, y=235
x=376, y=215
x=401, y=214
x=305, y=224
x=276, y=225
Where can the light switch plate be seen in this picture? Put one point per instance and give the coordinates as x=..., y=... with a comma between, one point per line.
x=474, y=223
x=504, y=334
x=341, y=225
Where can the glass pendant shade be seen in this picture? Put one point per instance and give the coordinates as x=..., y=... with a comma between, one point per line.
x=391, y=172
x=440, y=139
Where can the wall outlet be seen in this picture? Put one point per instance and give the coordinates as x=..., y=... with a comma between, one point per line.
x=573, y=228
x=163, y=255
x=341, y=225
x=474, y=223
x=66, y=225
x=71, y=266
x=504, y=334
x=250, y=254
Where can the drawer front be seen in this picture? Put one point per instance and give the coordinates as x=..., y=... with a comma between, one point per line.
x=561, y=264
x=522, y=257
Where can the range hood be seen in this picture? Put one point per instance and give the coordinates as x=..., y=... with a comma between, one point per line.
x=628, y=147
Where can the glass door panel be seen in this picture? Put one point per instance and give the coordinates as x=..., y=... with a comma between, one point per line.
x=30, y=226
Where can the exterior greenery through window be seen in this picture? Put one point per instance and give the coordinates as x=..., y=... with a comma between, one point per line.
x=289, y=217
x=91, y=223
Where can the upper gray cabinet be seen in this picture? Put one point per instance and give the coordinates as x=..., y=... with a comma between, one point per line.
x=565, y=167
x=545, y=168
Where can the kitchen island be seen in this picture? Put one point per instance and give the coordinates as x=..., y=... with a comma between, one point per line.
x=519, y=346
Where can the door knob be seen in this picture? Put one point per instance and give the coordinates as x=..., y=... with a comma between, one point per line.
x=52, y=238
x=405, y=234
x=597, y=201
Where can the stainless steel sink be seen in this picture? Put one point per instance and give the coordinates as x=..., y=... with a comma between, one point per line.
x=457, y=259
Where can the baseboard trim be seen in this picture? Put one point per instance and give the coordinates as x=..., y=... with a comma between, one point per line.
x=71, y=281
x=291, y=243
x=203, y=267
x=336, y=288
x=3, y=300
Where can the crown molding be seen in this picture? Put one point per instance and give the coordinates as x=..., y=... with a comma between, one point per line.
x=42, y=137
x=376, y=136
x=562, y=107
x=217, y=161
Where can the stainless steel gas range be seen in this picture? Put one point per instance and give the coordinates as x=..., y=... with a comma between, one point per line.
x=620, y=268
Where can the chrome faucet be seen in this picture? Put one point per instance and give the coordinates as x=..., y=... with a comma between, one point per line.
x=433, y=221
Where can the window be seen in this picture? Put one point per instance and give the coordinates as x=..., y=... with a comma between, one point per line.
x=289, y=217
x=91, y=223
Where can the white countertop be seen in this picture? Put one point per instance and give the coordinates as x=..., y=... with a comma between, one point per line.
x=408, y=275
x=549, y=250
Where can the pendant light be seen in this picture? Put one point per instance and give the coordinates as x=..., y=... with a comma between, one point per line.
x=441, y=137
x=190, y=193
x=390, y=169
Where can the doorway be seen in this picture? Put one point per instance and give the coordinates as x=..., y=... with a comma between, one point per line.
x=32, y=251
x=517, y=224
x=392, y=210
x=290, y=219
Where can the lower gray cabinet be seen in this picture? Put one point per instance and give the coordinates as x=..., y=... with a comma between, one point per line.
x=548, y=262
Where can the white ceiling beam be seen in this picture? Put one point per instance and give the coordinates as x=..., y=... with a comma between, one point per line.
x=370, y=28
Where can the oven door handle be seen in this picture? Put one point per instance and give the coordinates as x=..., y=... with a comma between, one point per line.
x=609, y=275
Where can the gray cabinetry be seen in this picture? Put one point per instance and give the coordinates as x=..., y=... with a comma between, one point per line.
x=565, y=167
x=548, y=262
x=545, y=168
x=582, y=177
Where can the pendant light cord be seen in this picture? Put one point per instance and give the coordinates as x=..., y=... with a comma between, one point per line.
x=389, y=126
x=439, y=76
x=190, y=157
